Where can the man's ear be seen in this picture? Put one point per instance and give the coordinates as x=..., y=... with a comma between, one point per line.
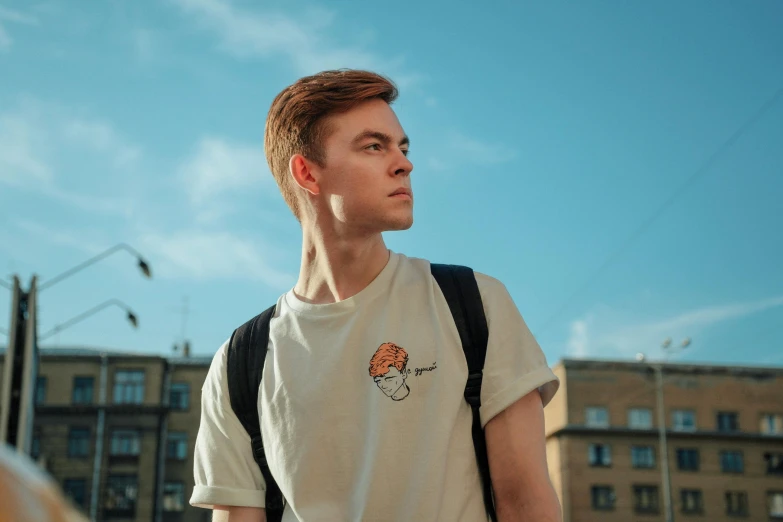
x=301, y=170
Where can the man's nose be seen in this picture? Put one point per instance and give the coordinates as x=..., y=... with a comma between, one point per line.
x=403, y=166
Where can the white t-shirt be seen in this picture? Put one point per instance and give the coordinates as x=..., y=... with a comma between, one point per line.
x=361, y=405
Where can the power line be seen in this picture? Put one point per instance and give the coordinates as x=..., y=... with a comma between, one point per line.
x=666, y=204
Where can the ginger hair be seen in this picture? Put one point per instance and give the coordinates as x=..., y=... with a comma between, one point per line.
x=297, y=122
x=388, y=354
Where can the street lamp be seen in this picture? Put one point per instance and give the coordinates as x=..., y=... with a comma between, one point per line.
x=663, y=448
x=132, y=318
x=140, y=261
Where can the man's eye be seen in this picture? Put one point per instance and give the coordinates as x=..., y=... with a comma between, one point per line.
x=376, y=145
x=405, y=152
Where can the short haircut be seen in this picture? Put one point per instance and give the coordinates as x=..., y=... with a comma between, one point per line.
x=388, y=354
x=296, y=120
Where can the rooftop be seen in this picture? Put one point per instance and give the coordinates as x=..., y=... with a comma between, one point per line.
x=86, y=351
x=692, y=368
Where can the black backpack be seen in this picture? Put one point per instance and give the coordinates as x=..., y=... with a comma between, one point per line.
x=247, y=351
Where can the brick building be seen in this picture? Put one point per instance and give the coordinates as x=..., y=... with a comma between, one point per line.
x=128, y=423
x=724, y=435
x=117, y=431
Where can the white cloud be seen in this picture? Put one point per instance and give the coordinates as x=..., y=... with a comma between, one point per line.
x=101, y=137
x=301, y=39
x=477, y=151
x=459, y=149
x=22, y=151
x=219, y=168
x=16, y=17
x=59, y=237
x=611, y=334
x=144, y=45
x=202, y=255
x=5, y=40
x=34, y=140
x=579, y=342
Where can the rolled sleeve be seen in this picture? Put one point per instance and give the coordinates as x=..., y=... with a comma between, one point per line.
x=515, y=364
x=224, y=469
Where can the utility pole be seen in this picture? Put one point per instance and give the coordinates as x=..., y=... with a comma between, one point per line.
x=20, y=372
x=20, y=368
x=664, y=450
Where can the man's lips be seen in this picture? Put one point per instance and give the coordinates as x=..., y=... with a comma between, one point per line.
x=402, y=193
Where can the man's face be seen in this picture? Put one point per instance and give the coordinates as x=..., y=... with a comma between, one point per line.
x=391, y=381
x=366, y=179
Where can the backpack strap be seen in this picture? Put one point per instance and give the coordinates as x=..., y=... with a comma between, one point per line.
x=245, y=364
x=459, y=287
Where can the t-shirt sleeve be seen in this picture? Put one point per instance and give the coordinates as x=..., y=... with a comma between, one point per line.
x=515, y=364
x=224, y=469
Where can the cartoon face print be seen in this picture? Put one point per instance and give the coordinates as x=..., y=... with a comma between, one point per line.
x=388, y=370
x=391, y=382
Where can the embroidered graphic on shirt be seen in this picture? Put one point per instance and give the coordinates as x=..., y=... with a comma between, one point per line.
x=388, y=370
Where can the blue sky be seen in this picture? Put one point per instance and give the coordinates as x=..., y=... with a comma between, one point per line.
x=544, y=135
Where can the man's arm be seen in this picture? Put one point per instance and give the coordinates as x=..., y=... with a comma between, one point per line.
x=516, y=446
x=238, y=514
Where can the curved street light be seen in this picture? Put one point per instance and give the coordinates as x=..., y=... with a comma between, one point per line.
x=662, y=442
x=143, y=265
x=132, y=317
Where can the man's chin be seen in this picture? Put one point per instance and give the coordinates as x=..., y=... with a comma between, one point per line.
x=399, y=225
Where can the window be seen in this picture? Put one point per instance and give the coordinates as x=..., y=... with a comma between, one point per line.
x=179, y=398
x=177, y=445
x=35, y=447
x=40, y=390
x=731, y=462
x=597, y=417
x=129, y=387
x=640, y=418
x=120, y=499
x=688, y=459
x=600, y=455
x=691, y=501
x=772, y=424
x=642, y=457
x=82, y=390
x=774, y=463
x=728, y=421
x=76, y=490
x=775, y=503
x=173, y=496
x=125, y=443
x=684, y=420
x=78, y=442
x=603, y=497
x=736, y=503
x=645, y=499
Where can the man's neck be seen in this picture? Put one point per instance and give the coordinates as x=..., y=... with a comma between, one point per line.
x=334, y=269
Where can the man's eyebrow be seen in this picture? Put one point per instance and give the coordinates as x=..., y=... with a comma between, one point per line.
x=380, y=136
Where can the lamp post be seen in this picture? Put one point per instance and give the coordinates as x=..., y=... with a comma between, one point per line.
x=662, y=443
x=132, y=318
x=142, y=264
x=21, y=358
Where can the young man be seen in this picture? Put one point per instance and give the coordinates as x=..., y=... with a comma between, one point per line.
x=340, y=450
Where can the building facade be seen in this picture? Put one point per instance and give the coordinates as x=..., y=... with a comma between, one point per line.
x=724, y=435
x=117, y=432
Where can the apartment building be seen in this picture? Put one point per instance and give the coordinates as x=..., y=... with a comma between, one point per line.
x=724, y=435
x=117, y=431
